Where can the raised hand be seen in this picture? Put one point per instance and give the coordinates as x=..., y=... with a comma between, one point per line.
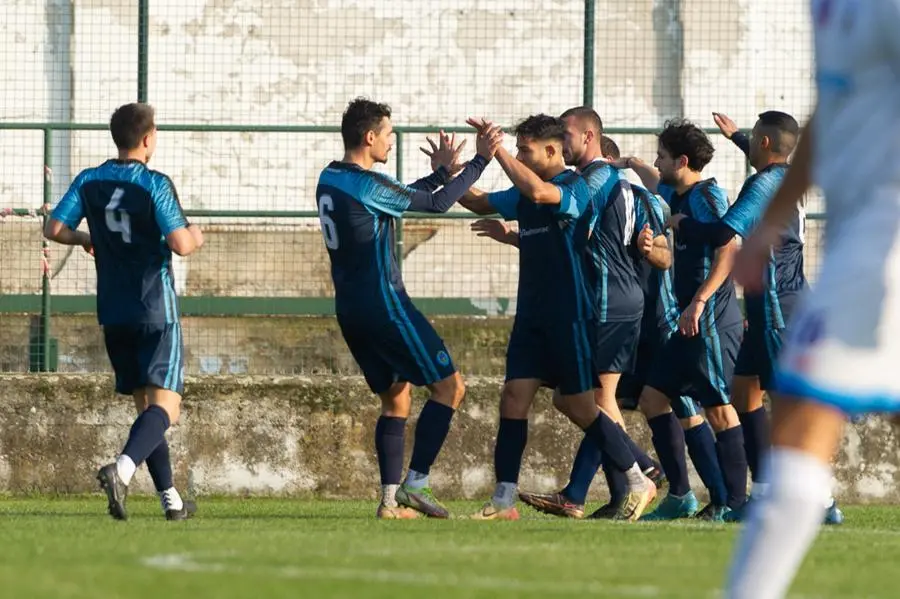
x=489, y=140
x=725, y=124
x=480, y=124
x=645, y=241
x=491, y=228
x=446, y=153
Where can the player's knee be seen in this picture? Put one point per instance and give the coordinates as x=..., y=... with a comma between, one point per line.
x=722, y=417
x=559, y=404
x=451, y=391
x=653, y=403
x=513, y=404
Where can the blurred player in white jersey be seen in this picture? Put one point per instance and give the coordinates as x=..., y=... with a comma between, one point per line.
x=841, y=357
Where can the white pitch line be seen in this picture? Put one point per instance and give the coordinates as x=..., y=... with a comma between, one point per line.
x=186, y=562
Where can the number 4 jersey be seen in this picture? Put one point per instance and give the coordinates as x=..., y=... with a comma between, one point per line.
x=130, y=210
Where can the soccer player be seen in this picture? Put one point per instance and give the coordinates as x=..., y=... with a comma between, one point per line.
x=393, y=343
x=772, y=140
x=616, y=296
x=699, y=360
x=841, y=355
x=550, y=344
x=135, y=222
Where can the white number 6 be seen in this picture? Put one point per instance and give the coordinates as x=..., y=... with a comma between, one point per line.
x=329, y=229
x=117, y=220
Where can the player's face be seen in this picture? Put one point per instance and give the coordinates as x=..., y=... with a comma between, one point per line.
x=667, y=166
x=383, y=142
x=575, y=142
x=756, y=138
x=533, y=154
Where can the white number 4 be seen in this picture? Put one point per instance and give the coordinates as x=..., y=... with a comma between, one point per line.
x=329, y=229
x=117, y=220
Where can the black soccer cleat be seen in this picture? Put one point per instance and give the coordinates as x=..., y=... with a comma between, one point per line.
x=116, y=491
x=188, y=509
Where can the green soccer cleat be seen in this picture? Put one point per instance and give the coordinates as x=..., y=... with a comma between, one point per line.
x=674, y=508
x=422, y=500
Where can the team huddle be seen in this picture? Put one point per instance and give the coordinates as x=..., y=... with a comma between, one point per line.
x=626, y=300
x=610, y=313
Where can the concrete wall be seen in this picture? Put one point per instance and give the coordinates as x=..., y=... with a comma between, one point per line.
x=299, y=62
x=314, y=437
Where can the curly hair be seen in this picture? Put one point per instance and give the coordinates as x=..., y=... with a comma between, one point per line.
x=681, y=137
x=542, y=127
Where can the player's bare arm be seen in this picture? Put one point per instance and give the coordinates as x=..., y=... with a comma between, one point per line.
x=527, y=181
x=186, y=240
x=655, y=248
x=648, y=174
x=57, y=231
x=496, y=230
x=750, y=263
x=476, y=200
x=689, y=323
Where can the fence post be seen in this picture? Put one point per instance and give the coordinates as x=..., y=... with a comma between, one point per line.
x=44, y=362
x=398, y=233
x=143, y=38
x=588, y=67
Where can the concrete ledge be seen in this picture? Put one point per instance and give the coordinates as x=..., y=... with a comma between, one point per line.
x=301, y=436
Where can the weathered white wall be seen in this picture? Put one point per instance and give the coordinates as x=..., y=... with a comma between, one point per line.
x=437, y=62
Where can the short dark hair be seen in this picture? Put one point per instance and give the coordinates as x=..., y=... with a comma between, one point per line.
x=362, y=115
x=609, y=148
x=782, y=129
x=681, y=137
x=586, y=113
x=130, y=123
x=543, y=127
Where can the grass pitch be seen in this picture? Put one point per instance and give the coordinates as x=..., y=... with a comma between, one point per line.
x=266, y=548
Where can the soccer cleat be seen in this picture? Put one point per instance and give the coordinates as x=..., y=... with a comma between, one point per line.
x=116, y=491
x=634, y=504
x=489, y=511
x=188, y=509
x=738, y=514
x=673, y=507
x=607, y=512
x=398, y=512
x=833, y=515
x=655, y=474
x=555, y=504
x=422, y=500
x=713, y=513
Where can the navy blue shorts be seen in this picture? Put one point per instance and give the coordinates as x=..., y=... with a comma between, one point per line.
x=700, y=367
x=146, y=355
x=559, y=355
x=615, y=347
x=759, y=354
x=401, y=346
x=632, y=383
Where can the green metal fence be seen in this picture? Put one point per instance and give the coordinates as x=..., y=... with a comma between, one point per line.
x=225, y=76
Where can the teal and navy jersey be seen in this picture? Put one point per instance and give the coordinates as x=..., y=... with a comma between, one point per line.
x=130, y=209
x=661, y=312
x=552, y=242
x=357, y=208
x=705, y=202
x=785, y=277
x=611, y=272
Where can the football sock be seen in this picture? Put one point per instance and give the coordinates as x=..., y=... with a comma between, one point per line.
x=781, y=527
